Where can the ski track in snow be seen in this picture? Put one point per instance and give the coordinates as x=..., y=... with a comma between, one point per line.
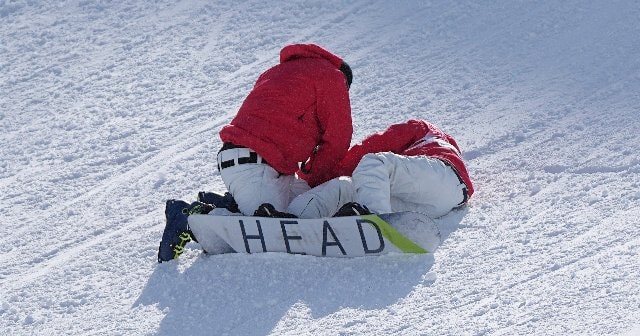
x=108, y=109
x=180, y=145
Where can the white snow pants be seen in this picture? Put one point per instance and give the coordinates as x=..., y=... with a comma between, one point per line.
x=323, y=200
x=254, y=183
x=387, y=182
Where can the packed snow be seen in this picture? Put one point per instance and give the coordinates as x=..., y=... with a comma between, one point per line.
x=107, y=109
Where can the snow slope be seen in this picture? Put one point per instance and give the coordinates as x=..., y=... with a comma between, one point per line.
x=109, y=108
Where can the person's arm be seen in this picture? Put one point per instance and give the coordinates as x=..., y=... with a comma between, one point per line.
x=334, y=116
x=394, y=139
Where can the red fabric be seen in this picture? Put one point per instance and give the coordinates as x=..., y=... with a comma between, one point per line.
x=415, y=137
x=299, y=104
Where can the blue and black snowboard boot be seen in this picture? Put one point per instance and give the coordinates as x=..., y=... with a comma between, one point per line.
x=176, y=231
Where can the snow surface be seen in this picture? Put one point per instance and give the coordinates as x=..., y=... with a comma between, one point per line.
x=107, y=109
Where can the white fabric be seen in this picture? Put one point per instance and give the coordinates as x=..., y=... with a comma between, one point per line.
x=252, y=184
x=323, y=200
x=388, y=182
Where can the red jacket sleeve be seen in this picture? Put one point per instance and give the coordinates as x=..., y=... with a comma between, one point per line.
x=395, y=139
x=334, y=115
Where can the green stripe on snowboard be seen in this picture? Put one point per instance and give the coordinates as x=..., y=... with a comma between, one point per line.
x=395, y=237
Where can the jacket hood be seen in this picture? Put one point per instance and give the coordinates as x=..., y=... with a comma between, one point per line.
x=294, y=51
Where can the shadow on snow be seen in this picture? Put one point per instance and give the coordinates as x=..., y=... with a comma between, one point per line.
x=250, y=294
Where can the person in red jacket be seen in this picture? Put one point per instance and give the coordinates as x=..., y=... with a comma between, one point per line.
x=291, y=131
x=412, y=166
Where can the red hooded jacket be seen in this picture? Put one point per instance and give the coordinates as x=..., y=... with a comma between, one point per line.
x=298, y=111
x=415, y=137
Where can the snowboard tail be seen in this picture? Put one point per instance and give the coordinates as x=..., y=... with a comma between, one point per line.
x=352, y=236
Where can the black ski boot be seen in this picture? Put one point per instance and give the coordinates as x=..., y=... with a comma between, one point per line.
x=268, y=210
x=219, y=201
x=352, y=209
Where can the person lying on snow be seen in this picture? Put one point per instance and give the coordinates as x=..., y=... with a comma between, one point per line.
x=412, y=166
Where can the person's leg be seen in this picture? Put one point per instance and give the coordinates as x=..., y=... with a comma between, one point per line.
x=323, y=200
x=387, y=182
x=427, y=185
x=253, y=184
x=297, y=186
x=371, y=181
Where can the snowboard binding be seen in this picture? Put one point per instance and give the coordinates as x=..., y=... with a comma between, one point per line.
x=352, y=209
x=268, y=210
x=219, y=201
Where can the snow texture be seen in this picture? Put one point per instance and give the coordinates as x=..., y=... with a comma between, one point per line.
x=107, y=109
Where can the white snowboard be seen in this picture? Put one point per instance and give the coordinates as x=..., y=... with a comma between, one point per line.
x=355, y=236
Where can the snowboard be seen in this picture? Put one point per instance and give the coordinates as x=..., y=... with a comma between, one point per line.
x=352, y=236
